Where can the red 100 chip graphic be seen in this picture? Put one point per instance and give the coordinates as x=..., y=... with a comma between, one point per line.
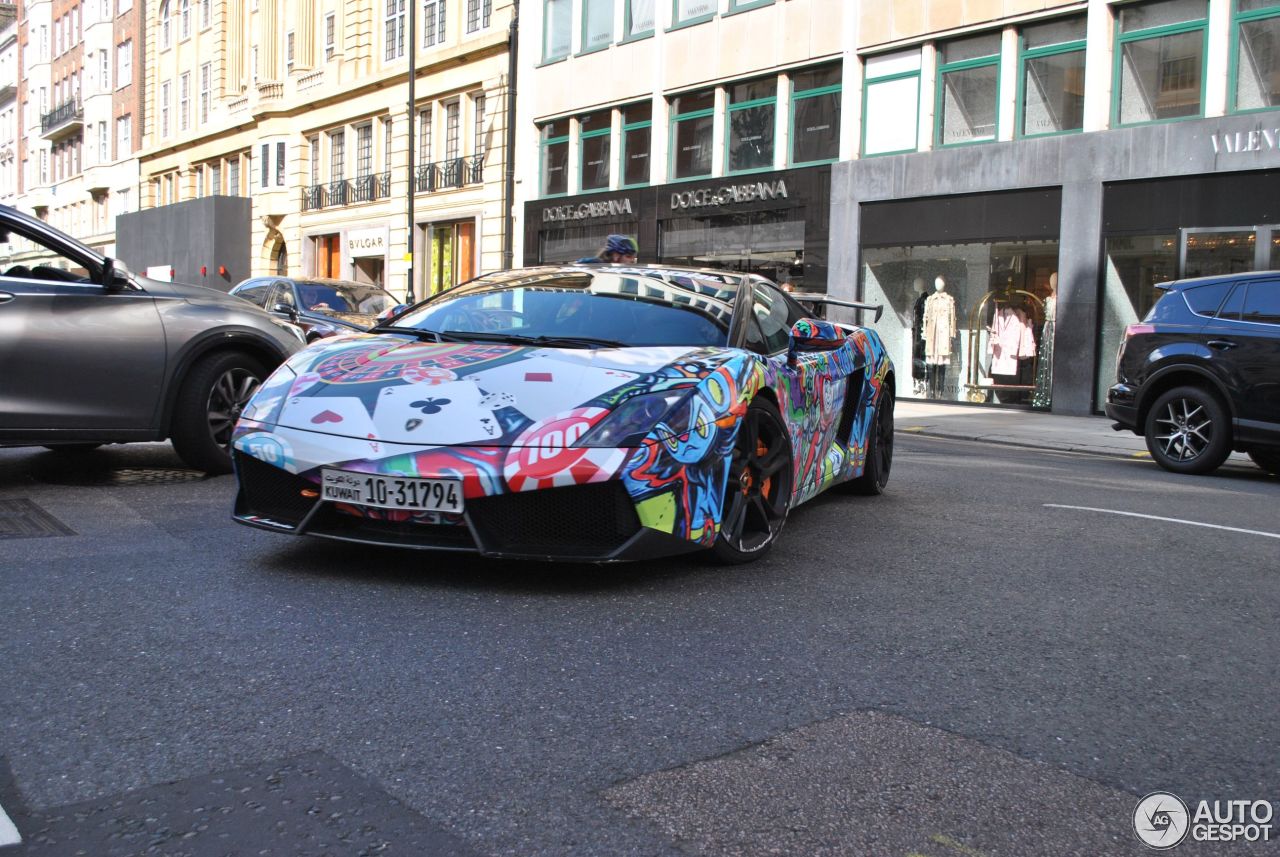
x=545, y=457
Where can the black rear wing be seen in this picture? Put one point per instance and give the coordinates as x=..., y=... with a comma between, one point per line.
x=817, y=298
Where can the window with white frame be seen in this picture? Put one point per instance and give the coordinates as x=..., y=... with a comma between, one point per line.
x=124, y=63
x=330, y=36
x=166, y=27
x=288, y=50
x=104, y=71
x=394, y=31
x=186, y=18
x=386, y=125
x=424, y=135
x=452, y=130
x=184, y=101
x=337, y=154
x=264, y=166
x=104, y=153
x=199, y=177
x=478, y=14
x=124, y=136
x=281, y=163
x=164, y=108
x=206, y=14
x=364, y=149
x=433, y=19
x=206, y=85
x=313, y=146
x=477, y=134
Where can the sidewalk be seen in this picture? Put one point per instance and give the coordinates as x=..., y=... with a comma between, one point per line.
x=1034, y=429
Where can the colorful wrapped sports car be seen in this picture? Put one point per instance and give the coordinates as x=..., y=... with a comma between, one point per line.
x=587, y=413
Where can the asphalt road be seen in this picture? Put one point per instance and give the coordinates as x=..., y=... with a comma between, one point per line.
x=954, y=668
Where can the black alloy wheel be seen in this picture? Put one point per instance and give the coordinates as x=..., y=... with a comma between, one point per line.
x=758, y=492
x=212, y=397
x=1267, y=459
x=1188, y=431
x=875, y=474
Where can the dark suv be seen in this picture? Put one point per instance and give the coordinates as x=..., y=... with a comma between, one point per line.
x=91, y=354
x=1200, y=375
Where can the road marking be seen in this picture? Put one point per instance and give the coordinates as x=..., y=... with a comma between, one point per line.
x=8, y=833
x=942, y=839
x=1171, y=520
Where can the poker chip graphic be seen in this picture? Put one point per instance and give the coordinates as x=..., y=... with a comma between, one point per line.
x=544, y=456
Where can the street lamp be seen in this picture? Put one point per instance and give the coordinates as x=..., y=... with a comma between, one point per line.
x=413, y=74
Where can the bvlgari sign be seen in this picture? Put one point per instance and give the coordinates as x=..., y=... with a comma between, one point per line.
x=588, y=210
x=747, y=192
x=367, y=242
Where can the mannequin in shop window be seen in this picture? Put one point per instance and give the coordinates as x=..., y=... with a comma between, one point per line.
x=1043, y=395
x=938, y=332
x=920, y=295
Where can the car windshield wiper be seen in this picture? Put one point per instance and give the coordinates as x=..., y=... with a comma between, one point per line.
x=429, y=335
x=518, y=339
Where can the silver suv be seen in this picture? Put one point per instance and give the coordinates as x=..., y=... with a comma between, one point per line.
x=92, y=354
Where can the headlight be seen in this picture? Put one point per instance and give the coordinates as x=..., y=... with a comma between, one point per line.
x=292, y=328
x=268, y=399
x=633, y=419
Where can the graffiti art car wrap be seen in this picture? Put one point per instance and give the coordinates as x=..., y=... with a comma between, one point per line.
x=505, y=447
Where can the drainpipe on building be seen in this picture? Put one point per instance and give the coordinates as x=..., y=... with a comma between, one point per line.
x=509, y=174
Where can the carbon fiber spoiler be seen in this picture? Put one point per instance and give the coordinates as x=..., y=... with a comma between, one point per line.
x=817, y=298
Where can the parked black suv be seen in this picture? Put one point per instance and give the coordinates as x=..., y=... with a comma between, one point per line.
x=1200, y=375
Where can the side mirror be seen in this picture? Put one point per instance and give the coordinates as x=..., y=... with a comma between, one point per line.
x=388, y=313
x=285, y=309
x=115, y=275
x=811, y=334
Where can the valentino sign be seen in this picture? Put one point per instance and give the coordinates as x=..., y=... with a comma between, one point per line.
x=729, y=194
x=587, y=210
x=1239, y=142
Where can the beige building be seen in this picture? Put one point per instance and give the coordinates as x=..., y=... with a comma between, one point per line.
x=301, y=106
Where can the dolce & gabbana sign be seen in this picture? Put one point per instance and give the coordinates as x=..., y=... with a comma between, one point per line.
x=748, y=192
x=588, y=210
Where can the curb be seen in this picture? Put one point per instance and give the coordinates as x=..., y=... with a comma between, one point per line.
x=997, y=440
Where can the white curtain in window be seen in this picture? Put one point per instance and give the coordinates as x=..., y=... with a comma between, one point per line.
x=641, y=19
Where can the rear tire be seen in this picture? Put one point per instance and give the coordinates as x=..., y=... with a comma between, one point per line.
x=875, y=474
x=758, y=492
x=212, y=396
x=1188, y=431
x=1267, y=459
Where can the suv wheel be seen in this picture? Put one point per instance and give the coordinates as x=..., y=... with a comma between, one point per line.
x=212, y=396
x=1267, y=459
x=1188, y=431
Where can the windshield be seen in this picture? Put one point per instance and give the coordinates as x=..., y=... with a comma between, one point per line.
x=600, y=309
x=344, y=298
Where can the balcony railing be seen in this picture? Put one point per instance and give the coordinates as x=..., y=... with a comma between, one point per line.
x=347, y=191
x=65, y=117
x=452, y=173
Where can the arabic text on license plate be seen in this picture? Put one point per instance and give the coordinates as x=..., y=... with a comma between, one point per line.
x=391, y=492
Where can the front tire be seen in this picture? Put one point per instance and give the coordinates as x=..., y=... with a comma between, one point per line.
x=1267, y=459
x=1188, y=431
x=875, y=474
x=758, y=492
x=212, y=396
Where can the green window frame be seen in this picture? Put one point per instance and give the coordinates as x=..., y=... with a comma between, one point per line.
x=548, y=54
x=961, y=66
x=599, y=6
x=627, y=129
x=583, y=138
x=629, y=33
x=678, y=21
x=1025, y=56
x=1123, y=39
x=731, y=108
x=736, y=6
x=868, y=83
x=798, y=95
x=1244, y=17
x=546, y=142
x=676, y=120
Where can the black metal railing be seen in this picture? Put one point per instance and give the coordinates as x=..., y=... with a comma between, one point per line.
x=451, y=173
x=368, y=188
x=65, y=112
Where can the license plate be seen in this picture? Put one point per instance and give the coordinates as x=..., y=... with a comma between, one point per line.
x=391, y=492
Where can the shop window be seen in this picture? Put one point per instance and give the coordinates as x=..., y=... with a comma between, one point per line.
x=1255, y=80
x=555, y=158
x=557, y=29
x=971, y=322
x=692, y=11
x=597, y=25
x=968, y=87
x=594, y=131
x=638, y=19
x=637, y=126
x=891, y=103
x=692, y=123
x=768, y=243
x=452, y=258
x=1051, y=86
x=749, y=128
x=1135, y=265
x=815, y=115
x=1160, y=61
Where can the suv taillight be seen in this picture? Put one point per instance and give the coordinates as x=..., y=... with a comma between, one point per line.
x=1138, y=329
